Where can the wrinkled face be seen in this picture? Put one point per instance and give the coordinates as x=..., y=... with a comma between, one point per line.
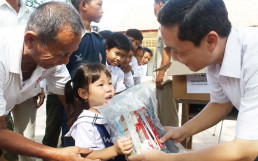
x=135, y=43
x=139, y=55
x=146, y=58
x=94, y=10
x=116, y=56
x=128, y=59
x=195, y=58
x=55, y=53
x=101, y=91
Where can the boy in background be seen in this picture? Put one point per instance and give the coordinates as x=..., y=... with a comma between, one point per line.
x=147, y=55
x=136, y=38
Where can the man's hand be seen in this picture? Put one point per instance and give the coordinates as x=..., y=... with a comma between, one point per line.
x=159, y=79
x=152, y=155
x=175, y=133
x=41, y=97
x=74, y=154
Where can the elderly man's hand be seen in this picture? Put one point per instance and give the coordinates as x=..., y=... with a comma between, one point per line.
x=73, y=154
x=41, y=97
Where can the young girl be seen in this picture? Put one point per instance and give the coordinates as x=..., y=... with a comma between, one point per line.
x=117, y=48
x=91, y=86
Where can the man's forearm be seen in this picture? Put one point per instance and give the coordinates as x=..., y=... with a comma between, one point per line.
x=237, y=150
x=208, y=117
x=17, y=144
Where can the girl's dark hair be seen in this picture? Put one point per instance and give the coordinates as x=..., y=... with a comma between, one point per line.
x=120, y=41
x=85, y=75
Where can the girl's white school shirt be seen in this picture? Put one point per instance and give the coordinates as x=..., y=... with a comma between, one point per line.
x=85, y=132
x=117, y=78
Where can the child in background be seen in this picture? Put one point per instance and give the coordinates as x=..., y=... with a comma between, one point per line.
x=117, y=48
x=147, y=55
x=138, y=54
x=127, y=69
x=136, y=38
x=106, y=34
x=91, y=86
x=92, y=45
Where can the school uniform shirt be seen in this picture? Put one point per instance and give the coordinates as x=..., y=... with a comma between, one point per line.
x=91, y=49
x=12, y=89
x=236, y=80
x=143, y=72
x=129, y=80
x=9, y=17
x=117, y=77
x=85, y=132
x=135, y=71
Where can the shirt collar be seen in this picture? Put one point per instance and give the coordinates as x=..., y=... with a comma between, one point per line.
x=23, y=9
x=16, y=53
x=91, y=117
x=3, y=2
x=231, y=65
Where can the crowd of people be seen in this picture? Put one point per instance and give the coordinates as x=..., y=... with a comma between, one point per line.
x=54, y=51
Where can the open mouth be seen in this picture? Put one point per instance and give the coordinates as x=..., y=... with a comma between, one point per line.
x=108, y=98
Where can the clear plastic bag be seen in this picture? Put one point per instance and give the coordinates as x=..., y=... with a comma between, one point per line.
x=132, y=113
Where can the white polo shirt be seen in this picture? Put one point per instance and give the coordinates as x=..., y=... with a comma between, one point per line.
x=237, y=79
x=12, y=89
x=10, y=18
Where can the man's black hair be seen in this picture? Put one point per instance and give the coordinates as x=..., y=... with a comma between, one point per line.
x=196, y=18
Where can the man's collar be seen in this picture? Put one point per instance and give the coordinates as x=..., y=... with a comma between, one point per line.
x=231, y=65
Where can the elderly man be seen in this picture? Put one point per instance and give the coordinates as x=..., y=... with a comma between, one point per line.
x=53, y=32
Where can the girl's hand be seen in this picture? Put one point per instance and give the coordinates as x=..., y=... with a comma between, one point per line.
x=127, y=69
x=123, y=146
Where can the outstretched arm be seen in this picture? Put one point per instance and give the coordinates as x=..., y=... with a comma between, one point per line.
x=17, y=144
x=236, y=150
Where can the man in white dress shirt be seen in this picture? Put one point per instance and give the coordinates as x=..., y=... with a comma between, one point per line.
x=200, y=35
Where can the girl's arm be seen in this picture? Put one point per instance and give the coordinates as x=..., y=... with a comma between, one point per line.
x=122, y=146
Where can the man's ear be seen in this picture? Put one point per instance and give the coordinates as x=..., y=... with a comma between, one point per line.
x=30, y=38
x=212, y=39
x=83, y=93
x=83, y=5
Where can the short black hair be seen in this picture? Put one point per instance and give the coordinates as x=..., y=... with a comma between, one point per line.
x=119, y=40
x=145, y=49
x=106, y=34
x=134, y=33
x=196, y=18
